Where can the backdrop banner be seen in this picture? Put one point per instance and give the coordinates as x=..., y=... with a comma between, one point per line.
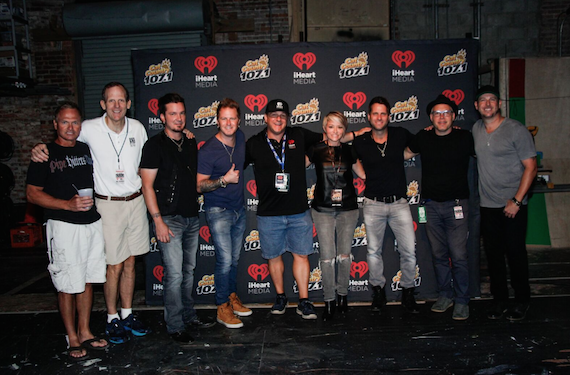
x=314, y=78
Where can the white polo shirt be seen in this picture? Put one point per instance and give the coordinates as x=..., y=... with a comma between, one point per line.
x=114, y=152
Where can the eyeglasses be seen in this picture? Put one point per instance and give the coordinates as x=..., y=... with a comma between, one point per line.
x=445, y=113
x=277, y=115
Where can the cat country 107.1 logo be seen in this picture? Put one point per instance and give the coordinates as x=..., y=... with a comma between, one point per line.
x=255, y=69
x=453, y=64
x=206, y=116
x=315, y=281
x=206, y=285
x=354, y=66
x=395, y=286
x=159, y=73
x=305, y=113
x=406, y=110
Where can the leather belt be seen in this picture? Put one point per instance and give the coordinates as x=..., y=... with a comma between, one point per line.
x=389, y=199
x=125, y=199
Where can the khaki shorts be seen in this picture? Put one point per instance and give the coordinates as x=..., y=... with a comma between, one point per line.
x=76, y=255
x=125, y=228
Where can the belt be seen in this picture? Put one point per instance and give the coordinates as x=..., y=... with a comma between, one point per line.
x=388, y=199
x=125, y=199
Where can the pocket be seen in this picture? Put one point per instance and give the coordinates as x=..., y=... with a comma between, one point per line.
x=59, y=272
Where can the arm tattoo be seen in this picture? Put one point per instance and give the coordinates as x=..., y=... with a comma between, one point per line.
x=209, y=185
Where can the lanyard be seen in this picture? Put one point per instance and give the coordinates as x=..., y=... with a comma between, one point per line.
x=123, y=145
x=281, y=160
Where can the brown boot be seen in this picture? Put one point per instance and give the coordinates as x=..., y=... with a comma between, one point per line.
x=239, y=309
x=226, y=316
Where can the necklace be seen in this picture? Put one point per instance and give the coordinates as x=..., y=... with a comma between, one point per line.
x=230, y=154
x=383, y=149
x=179, y=145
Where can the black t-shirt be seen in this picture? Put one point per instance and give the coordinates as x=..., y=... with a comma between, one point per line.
x=67, y=166
x=334, y=171
x=271, y=201
x=385, y=176
x=445, y=163
x=176, y=169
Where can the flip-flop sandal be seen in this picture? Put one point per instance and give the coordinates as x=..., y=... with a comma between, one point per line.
x=76, y=359
x=88, y=344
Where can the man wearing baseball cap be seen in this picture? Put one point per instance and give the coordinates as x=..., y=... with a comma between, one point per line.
x=445, y=153
x=506, y=161
x=283, y=217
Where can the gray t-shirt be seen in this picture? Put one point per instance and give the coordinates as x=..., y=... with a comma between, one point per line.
x=499, y=156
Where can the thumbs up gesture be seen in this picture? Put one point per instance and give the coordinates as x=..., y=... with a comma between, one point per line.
x=232, y=176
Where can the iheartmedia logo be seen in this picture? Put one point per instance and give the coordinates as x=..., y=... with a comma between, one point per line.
x=158, y=272
x=455, y=96
x=253, y=101
x=360, y=268
x=258, y=272
x=251, y=186
x=359, y=185
x=202, y=63
x=153, y=106
x=205, y=233
x=304, y=59
x=354, y=100
x=403, y=59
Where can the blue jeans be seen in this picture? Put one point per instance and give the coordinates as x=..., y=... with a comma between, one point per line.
x=331, y=224
x=179, y=261
x=399, y=217
x=278, y=234
x=448, y=239
x=227, y=228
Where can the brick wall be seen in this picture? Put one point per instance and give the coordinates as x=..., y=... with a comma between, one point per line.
x=550, y=11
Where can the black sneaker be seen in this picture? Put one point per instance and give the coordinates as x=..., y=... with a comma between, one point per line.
x=116, y=332
x=518, y=312
x=182, y=337
x=306, y=310
x=378, y=298
x=135, y=326
x=201, y=323
x=280, y=305
x=497, y=310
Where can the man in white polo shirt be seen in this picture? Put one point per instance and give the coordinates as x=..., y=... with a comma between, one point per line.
x=116, y=143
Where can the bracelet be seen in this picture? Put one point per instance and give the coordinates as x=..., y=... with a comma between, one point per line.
x=156, y=214
x=515, y=201
x=353, y=135
x=223, y=183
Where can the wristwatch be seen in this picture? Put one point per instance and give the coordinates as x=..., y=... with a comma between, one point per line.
x=222, y=182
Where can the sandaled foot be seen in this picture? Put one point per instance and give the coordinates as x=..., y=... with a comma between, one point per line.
x=95, y=343
x=76, y=353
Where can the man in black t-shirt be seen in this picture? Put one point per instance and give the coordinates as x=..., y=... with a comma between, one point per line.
x=382, y=155
x=445, y=153
x=168, y=172
x=64, y=187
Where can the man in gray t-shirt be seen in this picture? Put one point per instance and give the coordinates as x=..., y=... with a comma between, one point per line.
x=506, y=159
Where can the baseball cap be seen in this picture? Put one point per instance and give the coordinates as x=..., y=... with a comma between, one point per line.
x=487, y=89
x=277, y=105
x=442, y=99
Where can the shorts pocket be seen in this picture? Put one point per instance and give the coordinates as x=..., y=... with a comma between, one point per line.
x=59, y=272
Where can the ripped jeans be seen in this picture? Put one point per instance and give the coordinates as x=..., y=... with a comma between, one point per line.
x=335, y=254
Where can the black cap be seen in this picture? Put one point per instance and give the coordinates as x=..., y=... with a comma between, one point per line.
x=277, y=105
x=442, y=99
x=487, y=89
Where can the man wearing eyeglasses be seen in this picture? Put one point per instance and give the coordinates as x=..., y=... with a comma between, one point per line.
x=445, y=153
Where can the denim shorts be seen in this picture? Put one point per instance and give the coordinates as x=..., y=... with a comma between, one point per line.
x=278, y=234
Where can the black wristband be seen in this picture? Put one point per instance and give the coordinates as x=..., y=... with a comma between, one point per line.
x=515, y=201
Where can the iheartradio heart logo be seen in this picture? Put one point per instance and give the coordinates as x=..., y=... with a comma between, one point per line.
x=314, y=231
x=255, y=270
x=201, y=63
x=415, y=226
x=358, y=98
x=153, y=106
x=205, y=233
x=158, y=272
x=403, y=59
x=200, y=144
x=252, y=101
x=307, y=59
x=455, y=96
x=359, y=185
x=359, y=268
x=251, y=187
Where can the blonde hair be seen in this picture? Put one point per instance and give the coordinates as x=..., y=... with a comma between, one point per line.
x=339, y=117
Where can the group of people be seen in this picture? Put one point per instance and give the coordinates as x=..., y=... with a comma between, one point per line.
x=95, y=237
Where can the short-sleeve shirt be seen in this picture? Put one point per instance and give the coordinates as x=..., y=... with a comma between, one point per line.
x=112, y=152
x=445, y=163
x=174, y=168
x=215, y=160
x=334, y=172
x=258, y=152
x=67, y=166
x=499, y=156
x=385, y=176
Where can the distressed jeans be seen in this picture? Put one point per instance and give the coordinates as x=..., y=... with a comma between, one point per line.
x=399, y=217
x=448, y=239
x=179, y=261
x=331, y=224
x=227, y=228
